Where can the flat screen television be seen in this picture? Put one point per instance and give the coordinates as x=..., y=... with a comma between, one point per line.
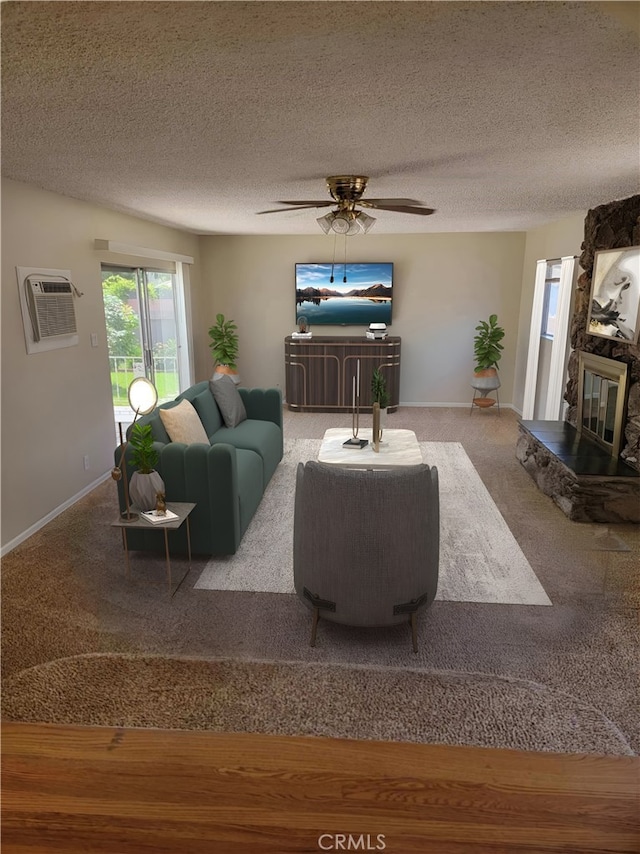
x=365, y=297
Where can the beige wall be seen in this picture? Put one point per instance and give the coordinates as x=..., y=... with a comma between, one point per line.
x=555, y=240
x=443, y=284
x=56, y=406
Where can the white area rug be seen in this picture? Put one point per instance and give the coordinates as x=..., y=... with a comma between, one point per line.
x=480, y=560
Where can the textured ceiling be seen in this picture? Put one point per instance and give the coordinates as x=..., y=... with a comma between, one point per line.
x=501, y=115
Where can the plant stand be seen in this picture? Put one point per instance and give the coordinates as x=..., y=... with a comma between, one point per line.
x=484, y=402
x=485, y=381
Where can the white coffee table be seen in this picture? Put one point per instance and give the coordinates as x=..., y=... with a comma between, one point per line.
x=398, y=448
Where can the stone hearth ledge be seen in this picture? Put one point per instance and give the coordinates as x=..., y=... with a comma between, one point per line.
x=581, y=497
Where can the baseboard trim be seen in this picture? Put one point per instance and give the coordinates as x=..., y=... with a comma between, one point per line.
x=450, y=405
x=52, y=515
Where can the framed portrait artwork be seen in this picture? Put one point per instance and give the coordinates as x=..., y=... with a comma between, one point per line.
x=614, y=310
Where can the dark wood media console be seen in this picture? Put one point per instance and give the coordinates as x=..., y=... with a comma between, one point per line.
x=319, y=371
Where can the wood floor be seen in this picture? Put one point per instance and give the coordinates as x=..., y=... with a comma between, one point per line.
x=133, y=791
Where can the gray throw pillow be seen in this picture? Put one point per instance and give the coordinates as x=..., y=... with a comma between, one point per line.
x=229, y=402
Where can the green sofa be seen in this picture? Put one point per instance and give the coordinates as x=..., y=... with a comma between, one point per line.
x=225, y=479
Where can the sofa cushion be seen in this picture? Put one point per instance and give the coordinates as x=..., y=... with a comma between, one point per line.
x=262, y=437
x=183, y=424
x=207, y=409
x=229, y=401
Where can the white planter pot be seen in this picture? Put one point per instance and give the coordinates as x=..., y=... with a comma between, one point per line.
x=144, y=489
x=486, y=380
x=223, y=370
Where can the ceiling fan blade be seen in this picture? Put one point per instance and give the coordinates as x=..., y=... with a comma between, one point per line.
x=390, y=202
x=298, y=208
x=405, y=209
x=311, y=203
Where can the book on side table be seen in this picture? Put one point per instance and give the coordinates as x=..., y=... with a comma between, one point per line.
x=156, y=518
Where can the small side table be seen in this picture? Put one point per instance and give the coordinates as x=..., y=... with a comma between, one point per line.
x=182, y=509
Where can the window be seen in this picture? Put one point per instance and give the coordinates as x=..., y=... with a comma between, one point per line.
x=550, y=302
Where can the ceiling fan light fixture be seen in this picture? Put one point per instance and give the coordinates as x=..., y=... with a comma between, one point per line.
x=365, y=222
x=341, y=222
x=346, y=222
x=325, y=222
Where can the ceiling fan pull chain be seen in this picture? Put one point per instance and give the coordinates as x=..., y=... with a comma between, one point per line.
x=344, y=277
x=333, y=263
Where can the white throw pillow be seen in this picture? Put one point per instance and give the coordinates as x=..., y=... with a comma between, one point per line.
x=183, y=424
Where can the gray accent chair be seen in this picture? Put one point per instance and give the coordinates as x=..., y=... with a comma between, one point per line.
x=366, y=544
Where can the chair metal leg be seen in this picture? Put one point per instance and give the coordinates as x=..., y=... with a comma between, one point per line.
x=414, y=631
x=314, y=626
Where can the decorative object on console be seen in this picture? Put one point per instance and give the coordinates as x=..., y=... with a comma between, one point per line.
x=364, y=296
x=614, y=308
x=143, y=398
x=224, y=346
x=183, y=424
x=354, y=441
x=488, y=352
x=376, y=331
x=229, y=401
x=303, y=328
x=146, y=483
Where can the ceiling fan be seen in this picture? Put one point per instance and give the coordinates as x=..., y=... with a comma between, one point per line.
x=346, y=192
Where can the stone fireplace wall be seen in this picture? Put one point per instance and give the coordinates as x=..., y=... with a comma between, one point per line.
x=610, y=226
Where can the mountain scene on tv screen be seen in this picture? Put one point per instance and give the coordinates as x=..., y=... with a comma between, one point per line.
x=364, y=298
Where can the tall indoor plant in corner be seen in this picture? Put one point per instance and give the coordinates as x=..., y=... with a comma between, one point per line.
x=145, y=483
x=224, y=346
x=488, y=352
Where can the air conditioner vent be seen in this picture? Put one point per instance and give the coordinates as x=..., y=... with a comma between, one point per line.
x=55, y=287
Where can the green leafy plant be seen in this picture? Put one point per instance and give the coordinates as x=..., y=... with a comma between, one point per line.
x=379, y=391
x=486, y=344
x=144, y=455
x=224, y=342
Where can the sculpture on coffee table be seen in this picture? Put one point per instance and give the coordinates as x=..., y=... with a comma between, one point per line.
x=354, y=441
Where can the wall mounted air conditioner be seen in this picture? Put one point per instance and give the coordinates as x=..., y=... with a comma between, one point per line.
x=47, y=301
x=51, y=308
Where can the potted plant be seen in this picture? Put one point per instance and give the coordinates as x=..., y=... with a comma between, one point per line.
x=379, y=394
x=488, y=352
x=224, y=346
x=146, y=483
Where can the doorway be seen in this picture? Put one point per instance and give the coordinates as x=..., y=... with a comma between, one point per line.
x=141, y=314
x=549, y=346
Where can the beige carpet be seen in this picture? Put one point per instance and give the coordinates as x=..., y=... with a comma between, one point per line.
x=282, y=698
x=65, y=595
x=480, y=560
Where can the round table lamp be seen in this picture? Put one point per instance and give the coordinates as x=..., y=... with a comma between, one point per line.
x=143, y=398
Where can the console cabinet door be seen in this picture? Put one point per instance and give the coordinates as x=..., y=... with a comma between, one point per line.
x=320, y=372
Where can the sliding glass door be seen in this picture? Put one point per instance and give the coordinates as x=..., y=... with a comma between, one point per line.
x=142, y=331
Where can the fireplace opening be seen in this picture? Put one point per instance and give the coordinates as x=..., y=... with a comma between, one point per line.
x=601, y=399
